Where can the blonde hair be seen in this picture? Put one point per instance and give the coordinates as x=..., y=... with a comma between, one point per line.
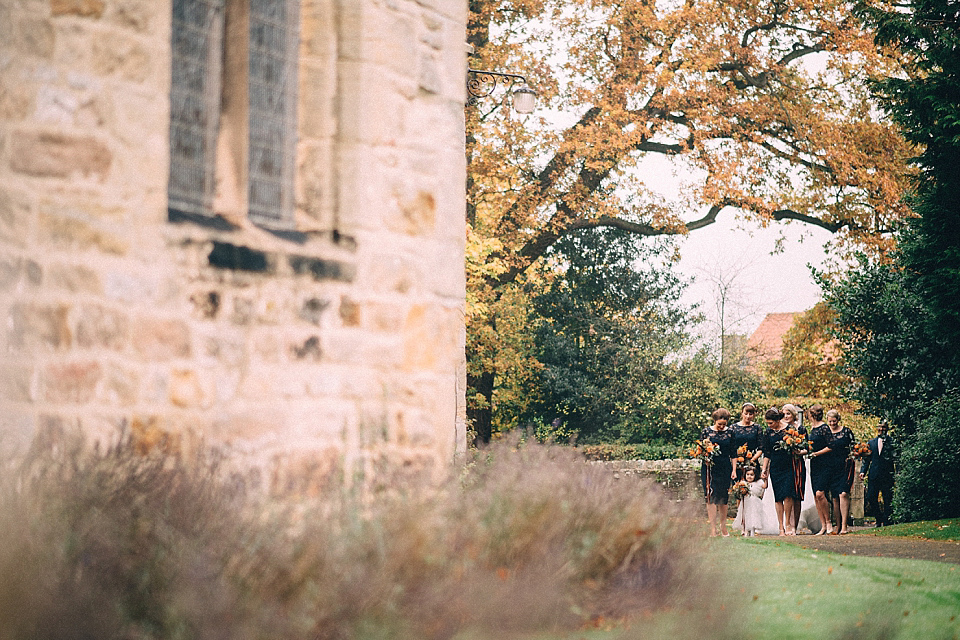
x=792, y=409
x=833, y=412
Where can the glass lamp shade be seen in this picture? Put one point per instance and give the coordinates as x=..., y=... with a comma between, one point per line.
x=524, y=100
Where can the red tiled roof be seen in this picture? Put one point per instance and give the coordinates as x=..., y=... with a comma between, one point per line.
x=766, y=343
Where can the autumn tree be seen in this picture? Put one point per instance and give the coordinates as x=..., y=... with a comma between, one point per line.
x=810, y=358
x=761, y=107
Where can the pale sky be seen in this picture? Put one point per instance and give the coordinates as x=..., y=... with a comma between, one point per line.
x=764, y=281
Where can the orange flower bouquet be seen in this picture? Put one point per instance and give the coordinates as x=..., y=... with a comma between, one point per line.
x=859, y=450
x=793, y=442
x=745, y=457
x=705, y=451
x=739, y=489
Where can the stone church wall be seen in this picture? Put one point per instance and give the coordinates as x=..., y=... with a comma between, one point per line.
x=321, y=350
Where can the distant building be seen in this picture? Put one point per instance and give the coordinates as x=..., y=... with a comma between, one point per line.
x=766, y=343
x=236, y=220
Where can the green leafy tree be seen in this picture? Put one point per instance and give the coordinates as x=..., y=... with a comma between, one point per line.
x=899, y=323
x=607, y=331
x=926, y=105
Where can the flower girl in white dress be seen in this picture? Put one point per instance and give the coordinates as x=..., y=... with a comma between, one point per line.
x=750, y=515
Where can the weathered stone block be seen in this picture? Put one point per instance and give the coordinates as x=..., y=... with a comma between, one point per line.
x=9, y=272
x=15, y=383
x=99, y=326
x=417, y=214
x=315, y=186
x=312, y=310
x=40, y=327
x=149, y=433
x=34, y=37
x=322, y=269
x=306, y=350
x=317, y=34
x=249, y=426
x=14, y=219
x=206, y=304
x=83, y=8
x=384, y=316
x=258, y=384
x=430, y=76
x=430, y=338
x=73, y=279
x=15, y=99
x=56, y=155
x=190, y=389
x=349, y=312
x=389, y=273
x=121, y=56
x=133, y=14
x=70, y=383
x=120, y=385
x=156, y=339
x=317, y=92
x=69, y=233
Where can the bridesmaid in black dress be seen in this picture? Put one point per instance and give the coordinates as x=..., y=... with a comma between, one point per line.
x=718, y=475
x=747, y=432
x=778, y=467
x=838, y=467
x=818, y=467
x=792, y=420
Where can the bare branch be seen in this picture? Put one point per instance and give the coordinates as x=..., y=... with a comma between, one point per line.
x=788, y=214
x=799, y=52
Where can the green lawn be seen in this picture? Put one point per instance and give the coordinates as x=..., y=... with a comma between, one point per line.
x=933, y=529
x=785, y=591
x=781, y=591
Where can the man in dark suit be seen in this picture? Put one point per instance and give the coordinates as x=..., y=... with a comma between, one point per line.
x=878, y=469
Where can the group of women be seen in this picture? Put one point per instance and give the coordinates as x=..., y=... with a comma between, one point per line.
x=780, y=451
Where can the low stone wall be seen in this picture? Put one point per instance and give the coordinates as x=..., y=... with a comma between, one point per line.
x=680, y=478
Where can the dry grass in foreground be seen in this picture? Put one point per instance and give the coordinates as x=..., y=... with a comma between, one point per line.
x=524, y=539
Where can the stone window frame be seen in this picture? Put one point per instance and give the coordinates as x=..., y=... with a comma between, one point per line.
x=223, y=164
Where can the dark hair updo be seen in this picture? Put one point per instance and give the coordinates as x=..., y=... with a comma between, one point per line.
x=773, y=414
x=720, y=414
x=815, y=412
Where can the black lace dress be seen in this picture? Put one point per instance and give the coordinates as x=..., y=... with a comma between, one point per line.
x=839, y=468
x=819, y=464
x=716, y=477
x=752, y=436
x=788, y=473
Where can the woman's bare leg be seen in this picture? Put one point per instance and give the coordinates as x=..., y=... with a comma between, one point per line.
x=844, y=512
x=838, y=516
x=790, y=526
x=823, y=512
x=779, y=507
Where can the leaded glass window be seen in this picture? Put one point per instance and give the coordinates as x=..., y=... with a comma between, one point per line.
x=274, y=28
x=194, y=103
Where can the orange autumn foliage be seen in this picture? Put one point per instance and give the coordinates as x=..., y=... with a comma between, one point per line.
x=760, y=109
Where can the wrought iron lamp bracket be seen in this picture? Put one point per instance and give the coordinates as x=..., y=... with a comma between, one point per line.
x=481, y=84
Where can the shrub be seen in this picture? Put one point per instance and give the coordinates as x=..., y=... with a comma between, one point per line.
x=645, y=451
x=927, y=472
x=113, y=544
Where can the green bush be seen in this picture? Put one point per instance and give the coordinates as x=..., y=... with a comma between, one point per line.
x=646, y=451
x=927, y=472
x=522, y=539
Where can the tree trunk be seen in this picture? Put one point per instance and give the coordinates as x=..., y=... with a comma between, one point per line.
x=482, y=417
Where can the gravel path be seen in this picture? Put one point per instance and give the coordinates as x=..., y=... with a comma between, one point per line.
x=865, y=544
